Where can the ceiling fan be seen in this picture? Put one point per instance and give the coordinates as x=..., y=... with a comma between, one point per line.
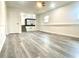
x=41, y=4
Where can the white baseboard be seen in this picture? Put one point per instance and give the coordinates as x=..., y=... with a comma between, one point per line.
x=70, y=35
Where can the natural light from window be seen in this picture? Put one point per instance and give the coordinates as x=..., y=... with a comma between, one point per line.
x=46, y=19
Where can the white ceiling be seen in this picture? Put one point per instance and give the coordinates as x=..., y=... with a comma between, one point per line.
x=31, y=5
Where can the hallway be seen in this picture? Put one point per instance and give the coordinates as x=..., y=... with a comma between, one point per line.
x=39, y=44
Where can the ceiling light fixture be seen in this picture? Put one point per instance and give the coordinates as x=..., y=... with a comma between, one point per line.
x=41, y=4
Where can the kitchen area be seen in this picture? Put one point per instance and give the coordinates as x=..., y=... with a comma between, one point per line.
x=28, y=22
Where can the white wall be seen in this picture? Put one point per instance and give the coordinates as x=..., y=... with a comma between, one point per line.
x=14, y=19
x=64, y=20
x=2, y=23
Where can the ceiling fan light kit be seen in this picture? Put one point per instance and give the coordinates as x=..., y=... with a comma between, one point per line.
x=41, y=4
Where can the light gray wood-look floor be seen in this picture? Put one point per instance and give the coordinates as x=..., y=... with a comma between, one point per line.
x=40, y=45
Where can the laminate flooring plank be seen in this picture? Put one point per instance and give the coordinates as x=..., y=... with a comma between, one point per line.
x=39, y=44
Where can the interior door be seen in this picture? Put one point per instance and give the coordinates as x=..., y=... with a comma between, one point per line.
x=14, y=21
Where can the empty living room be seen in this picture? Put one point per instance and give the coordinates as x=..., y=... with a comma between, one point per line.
x=39, y=29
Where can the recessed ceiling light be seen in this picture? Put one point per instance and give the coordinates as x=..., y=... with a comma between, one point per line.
x=52, y=5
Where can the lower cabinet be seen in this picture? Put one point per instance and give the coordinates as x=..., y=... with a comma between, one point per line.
x=30, y=28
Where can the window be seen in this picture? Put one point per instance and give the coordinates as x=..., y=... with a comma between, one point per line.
x=46, y=19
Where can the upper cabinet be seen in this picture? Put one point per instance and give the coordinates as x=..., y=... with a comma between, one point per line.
x=28, y=17
x=30, y=22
